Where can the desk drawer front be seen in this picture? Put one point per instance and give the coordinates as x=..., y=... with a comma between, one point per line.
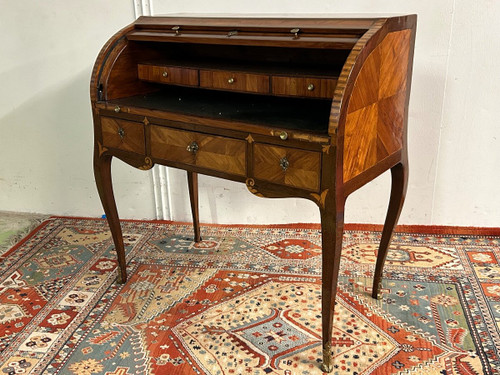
x=287, y=166
x=234, y=81
x=168, y=74
x=307, y=87
x=123, y=135
x=197, y=149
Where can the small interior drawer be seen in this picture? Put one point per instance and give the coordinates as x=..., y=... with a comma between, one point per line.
x=287, y=166
x=217, y=153
x=236, y=81
x=123, y=135
x=168, y=74
x=302, y=86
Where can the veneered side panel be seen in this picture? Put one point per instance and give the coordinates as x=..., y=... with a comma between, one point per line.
x=375, y=114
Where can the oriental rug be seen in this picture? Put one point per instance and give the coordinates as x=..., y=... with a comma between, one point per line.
x=246, y=300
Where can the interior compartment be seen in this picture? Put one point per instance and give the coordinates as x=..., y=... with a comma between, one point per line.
x=272, y=60
x=292, y=113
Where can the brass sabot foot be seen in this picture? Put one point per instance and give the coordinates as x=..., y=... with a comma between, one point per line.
x=377, y=291
x=327, y=365
x=324, y=368
x=120, y=279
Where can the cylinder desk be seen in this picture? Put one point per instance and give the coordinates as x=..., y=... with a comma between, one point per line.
x=291, y=107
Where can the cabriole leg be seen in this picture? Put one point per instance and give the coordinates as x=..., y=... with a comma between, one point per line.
x=398, y=192
x=193, y=197
x=102, y=173
x=332, y=226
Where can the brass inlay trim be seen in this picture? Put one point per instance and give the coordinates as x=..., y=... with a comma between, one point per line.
x=320, y=198
x=250, y=183
x=101, y=149
x=148, y=164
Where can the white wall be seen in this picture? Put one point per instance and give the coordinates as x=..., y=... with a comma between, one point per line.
x=47, y=54
x=46, y=127
x=467, y=185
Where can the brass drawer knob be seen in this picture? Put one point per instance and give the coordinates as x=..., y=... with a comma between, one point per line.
x=284, y=136
x=165, y=74
x=193, y=147
x=230, y=80
x=117, y=109
x=295, y=32
x=310, y=87
x=284, y=163
x=176, y=29
x=121, y=133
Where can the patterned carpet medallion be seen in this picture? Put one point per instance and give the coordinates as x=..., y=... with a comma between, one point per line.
x=244, y=301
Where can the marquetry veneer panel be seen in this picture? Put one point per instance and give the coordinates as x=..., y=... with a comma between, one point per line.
x=213, y=152
x=123, y=135
x=375, y=115
x=303, y=169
